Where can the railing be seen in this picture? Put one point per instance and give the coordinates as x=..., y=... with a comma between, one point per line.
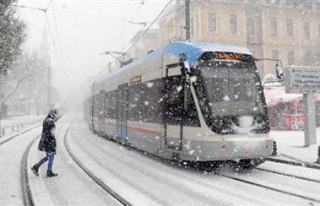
x=16, y=128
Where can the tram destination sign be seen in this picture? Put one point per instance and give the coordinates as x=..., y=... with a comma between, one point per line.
x=302, y=79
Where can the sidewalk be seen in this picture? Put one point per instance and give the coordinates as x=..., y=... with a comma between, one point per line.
x=15, y=124
x=291, y=148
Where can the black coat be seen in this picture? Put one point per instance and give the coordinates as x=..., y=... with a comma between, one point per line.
x=48, y=141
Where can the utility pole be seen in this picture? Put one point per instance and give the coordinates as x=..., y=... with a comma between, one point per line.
x=187, y=27
x=0, y=105
x=49, y=84
x=109, y=68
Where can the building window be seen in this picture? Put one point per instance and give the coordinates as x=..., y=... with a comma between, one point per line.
x=274, y=30
x=254, y=1
x=290, y=57
x=306, y=30
x=307, y=58
x=212, y=22
x=289, y=27
x=307, y=5
x=198, y=26
x=273, y=2
x=317, y=4
x=275, y=54
x=191, y=27
x=293, y=4
x=233, y=24
x=250, y=26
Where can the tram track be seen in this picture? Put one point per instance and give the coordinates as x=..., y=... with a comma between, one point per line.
x=97, y=180
x=26, y=191
x=181, y=178
x=27, y=196
x=289, y=175
x=273, y=188
x=239, y=179
x=294, y=163
x=28, y=199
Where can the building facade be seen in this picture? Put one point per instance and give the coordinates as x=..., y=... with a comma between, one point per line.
x=288, y=30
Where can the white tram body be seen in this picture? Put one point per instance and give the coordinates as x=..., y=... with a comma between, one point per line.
x=187, y=101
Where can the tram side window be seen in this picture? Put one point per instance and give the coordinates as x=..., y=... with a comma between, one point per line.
x=95, y=105
x=152, y=101
x=111, y=102
x=134, y=111
x=101, y=103
x=175, y=111
x=108, y=105
x=190, y=115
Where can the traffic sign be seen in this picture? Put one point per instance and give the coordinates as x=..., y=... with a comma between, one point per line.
x=302, y=79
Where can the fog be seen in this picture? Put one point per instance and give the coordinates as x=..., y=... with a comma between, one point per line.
x=205, y=101
x=74, y=36
x=78, y=32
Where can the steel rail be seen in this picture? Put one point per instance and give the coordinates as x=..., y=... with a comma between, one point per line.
x=105, y=187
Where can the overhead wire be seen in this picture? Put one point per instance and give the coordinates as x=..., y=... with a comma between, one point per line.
x=48, y=5
x=52, y=38
x=152, y=23
x=66, y=76
x=141, y=3
x=48, y=24
x=58, y=35
x=89, y=15
x=126, y=27
x=55, y=47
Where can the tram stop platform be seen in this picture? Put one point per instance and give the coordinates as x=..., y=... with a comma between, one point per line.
x=291, y=148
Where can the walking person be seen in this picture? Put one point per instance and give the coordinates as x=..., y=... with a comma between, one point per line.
x=47, y=144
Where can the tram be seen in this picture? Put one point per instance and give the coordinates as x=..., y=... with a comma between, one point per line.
x=195, y=102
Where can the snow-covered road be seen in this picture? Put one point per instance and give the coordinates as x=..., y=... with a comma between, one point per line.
x=139, y=178
x=11, y=154
x=146, y=181
x=72, y=186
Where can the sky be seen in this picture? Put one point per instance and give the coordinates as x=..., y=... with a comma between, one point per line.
x=79, y=31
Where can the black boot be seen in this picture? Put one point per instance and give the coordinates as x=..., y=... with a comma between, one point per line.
x=51, y=174
x=35, y=169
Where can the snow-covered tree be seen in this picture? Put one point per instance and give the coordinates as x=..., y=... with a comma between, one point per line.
x=12, y=35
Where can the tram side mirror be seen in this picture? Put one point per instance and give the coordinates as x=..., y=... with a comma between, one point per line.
x=187, y=94
x=279, y=71
x=185, y=67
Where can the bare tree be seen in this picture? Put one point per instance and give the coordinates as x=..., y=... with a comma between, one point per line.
x=28, y=76
x=12, y=35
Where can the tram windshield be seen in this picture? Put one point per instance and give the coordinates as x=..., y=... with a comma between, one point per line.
x=230, y=90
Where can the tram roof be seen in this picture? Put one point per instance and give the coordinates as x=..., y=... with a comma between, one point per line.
x=193, y=51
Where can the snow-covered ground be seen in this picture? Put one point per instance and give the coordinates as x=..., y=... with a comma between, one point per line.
x=13, y=125
x=12, y=121
x=145, y=181
x=291, y=145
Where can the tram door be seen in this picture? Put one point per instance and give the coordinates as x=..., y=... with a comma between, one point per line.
x=122, y=111
x=173, y=129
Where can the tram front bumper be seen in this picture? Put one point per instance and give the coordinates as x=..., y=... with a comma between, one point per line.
x=226, y=150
